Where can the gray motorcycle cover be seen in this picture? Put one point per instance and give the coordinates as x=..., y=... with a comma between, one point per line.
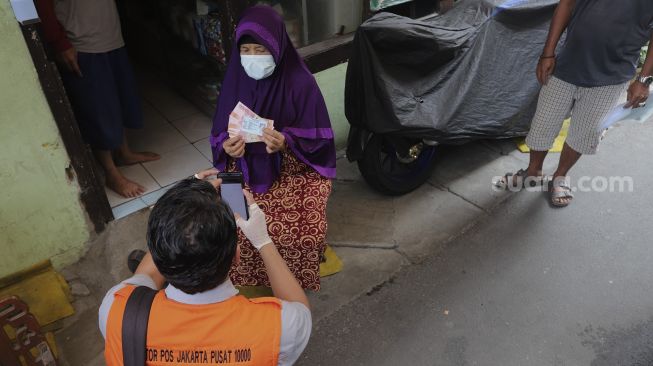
x=465, y=74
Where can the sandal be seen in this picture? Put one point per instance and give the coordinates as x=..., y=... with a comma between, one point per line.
x=559, y=190
x=507, y=182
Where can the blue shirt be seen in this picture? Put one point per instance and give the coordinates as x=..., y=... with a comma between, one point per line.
x=603, y=43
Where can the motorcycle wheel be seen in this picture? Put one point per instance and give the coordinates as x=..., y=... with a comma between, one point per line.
x=382, y=170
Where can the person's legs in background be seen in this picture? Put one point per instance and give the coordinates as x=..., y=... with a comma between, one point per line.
x=130, y=105
x=568, y=157
x=115, y=180
x=591, y=107
x=98, y=105
x=125, y=156
x=553, y=106
x=536, y=163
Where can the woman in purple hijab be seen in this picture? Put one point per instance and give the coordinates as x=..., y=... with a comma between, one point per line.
x=289, y=172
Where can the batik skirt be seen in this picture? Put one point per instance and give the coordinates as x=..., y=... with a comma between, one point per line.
x=295, y=209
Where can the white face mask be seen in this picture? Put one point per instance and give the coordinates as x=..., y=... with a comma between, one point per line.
x=258, y=66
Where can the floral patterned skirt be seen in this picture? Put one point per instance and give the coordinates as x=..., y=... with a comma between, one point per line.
x=295, y=208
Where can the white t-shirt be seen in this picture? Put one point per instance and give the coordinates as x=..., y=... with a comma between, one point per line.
x=92, y=26
x=296, y=321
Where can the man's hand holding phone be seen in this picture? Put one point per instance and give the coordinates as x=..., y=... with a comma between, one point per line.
x=255, y=229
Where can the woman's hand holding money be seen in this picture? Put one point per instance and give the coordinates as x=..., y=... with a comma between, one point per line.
x=275, y=141
x=234, y=146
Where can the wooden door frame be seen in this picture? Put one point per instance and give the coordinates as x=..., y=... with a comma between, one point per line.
x=82, y=166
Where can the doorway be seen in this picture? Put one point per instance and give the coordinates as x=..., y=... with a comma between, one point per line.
x=179, y=51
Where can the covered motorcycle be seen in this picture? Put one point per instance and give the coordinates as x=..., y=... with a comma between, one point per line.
x=451, y=78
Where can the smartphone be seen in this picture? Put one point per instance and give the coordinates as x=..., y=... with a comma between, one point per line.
x=231, y=191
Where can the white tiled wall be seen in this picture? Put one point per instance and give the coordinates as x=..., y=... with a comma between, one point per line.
x=177, y=131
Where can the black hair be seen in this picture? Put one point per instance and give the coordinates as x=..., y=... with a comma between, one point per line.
x=247, y=39
x=191, y=234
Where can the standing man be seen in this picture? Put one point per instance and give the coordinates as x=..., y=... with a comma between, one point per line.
x=87, y=40
x=587, y=78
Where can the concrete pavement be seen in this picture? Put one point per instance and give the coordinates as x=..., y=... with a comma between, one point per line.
x=380, y=239
x=374, y=235
x=527, y=285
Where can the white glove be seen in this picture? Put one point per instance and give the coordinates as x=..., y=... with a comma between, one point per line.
x=255, y=229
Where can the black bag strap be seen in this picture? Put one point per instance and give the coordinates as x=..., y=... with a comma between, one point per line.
x=134, y=326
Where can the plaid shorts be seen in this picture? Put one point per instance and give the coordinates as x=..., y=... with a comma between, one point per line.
x=588, y=108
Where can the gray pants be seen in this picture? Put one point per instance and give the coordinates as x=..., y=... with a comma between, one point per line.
x=588, y=107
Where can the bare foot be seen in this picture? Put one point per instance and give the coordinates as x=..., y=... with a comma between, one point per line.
x=124, y=186
x=135, y=158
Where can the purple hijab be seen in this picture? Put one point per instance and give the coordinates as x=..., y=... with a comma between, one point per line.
x=290, y=97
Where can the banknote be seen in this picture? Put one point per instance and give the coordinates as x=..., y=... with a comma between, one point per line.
x=244, y=122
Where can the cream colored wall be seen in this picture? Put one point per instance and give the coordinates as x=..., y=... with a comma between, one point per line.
x=40, y=213
x=332, y=85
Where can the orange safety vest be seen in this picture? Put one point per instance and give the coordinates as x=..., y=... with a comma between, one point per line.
x=237, y=331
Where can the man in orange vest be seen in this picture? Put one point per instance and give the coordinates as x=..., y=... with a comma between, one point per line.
x=199, y=318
